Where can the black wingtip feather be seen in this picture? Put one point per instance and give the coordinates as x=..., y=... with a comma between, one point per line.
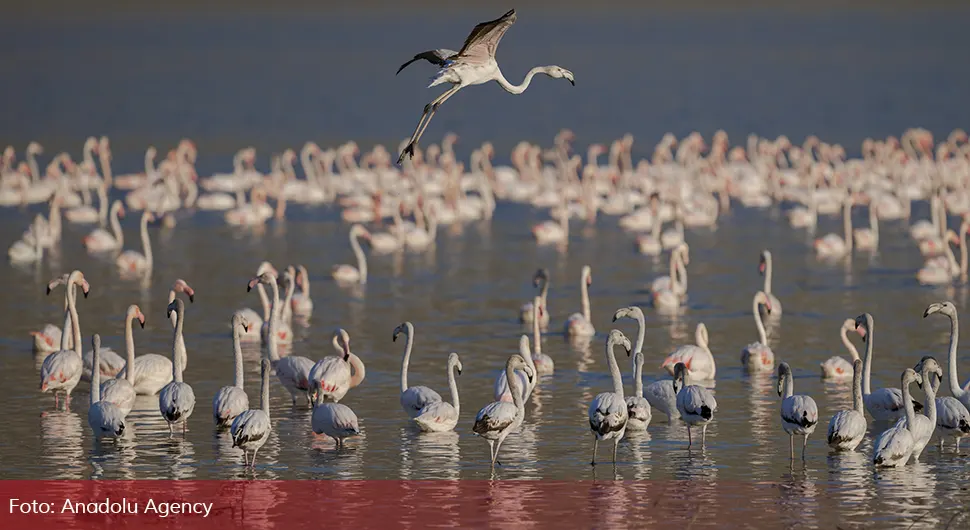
x=706, y=412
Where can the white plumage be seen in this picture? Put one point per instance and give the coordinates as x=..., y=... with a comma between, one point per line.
x=637, y=408
x=953, y=417
x=757, y=356
x=608, y=411
x=502, y=391
x=61, y=370
x=336, y=420
x=695, y=403
x=527, y=311
x=922, y=426
x=659, y=394
x=121, y=391
x=894, y=447
x=848, y=427
x=799, y=413
x=105, y=419
x=697, y=357
x=331, y=377
x=580, y=324
x=441, y=416
x=251, y=428
x=884, y=404
x=496, y=420
x=413, y=398
x=837, y=368
x=176, y=400
x=231, y=400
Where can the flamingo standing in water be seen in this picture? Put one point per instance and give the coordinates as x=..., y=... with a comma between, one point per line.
x=474, y=64
x=580, y=324
x=62, y=369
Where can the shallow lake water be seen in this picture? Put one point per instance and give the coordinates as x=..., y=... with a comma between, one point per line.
x=206, y=79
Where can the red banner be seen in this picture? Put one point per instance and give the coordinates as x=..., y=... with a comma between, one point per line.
x=326, y=504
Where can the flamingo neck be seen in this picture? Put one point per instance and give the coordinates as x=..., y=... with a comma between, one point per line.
x=409, y=342
x=857, y=403
x=584, y=290
x=96, y=376
x=515, y=389
x=867, y=361
x=929, y=391
x=240, y=376
x=520, y=88
x=129, y=352
x=614, y=369
x=953, y=380
x=361, y=258
x=762, y=334
x=116, y=224
x=853, y=352
x=266, y=368
x=177, y=349
x=453, y=386
x=264, y=301
x=274, y=354
x=768, y=267
x=638, y=374
x=847, y=223
x=146, y=242
x=788, y=385
x=359, y=371
x=536, y=334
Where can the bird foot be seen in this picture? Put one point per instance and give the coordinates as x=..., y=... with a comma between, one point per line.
x=409, y=151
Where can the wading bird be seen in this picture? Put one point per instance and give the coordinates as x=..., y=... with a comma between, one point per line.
x=474, y=64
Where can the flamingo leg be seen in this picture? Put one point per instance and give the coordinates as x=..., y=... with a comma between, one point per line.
x=704, y=436
x=804, y=445
x=791, y=446
x=595, y=443
x=183, y=427
x=616, y=443
x=245, y=458
x=689, y=441
x=498, y=446
x=170, y=430
x=55, y=400
x=253, y=463
x=429, y=111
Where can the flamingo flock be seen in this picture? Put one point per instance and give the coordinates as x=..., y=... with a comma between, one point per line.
x=684, y=187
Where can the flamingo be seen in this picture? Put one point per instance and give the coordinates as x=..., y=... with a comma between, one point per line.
x=541, y=280
x=495, y=421
x=176, y=400
x=580, y=324
x=349, y=273
x=331, y=377
x=696, y=357
x=474, y=64
x=799, y=413
x=251, y=428
x=765, y=268
x=952, y=420
x=231, y=400
x=894, y=447
x=105, y=419
x=413, y=398
x=100, y=240
x=441, y=416
x=302, y=303
x=117, y=390
x=608, y=411
x=61, y=370
x=837, y=368
x=848, y=427
x=695, y=403
x=924, y=425
x=660, y=394
x=885, y=403
x=131, y=261
x=336, y=420
x=637, y=407
x=757, y=356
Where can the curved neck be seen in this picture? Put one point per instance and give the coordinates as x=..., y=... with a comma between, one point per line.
x=176, y=348
x=762, y=334
x=274, y=354
x=407, y=357
x=585, y=294
x=953, y=380
x=789, y=385
x=358, y=367
x=767, y=288
x=286, y=312
x=857, y=404
x=641, y=331
x=518, y=89
x=102, y=206
x=96, y=376
x=867, y=362
x=130, y=352
x=614, y=369
x=240, y=376
x=263, y=387
x=453, y=385
x=361, y=258
x=116, y=224
x=146, y=241
x=853, y=352
x=515, y=390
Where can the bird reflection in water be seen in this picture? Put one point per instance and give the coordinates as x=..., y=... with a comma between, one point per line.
x=433, y=455
x=60, y=438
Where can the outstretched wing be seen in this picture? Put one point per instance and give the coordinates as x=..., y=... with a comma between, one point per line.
x=436, y=57
x=484, y=38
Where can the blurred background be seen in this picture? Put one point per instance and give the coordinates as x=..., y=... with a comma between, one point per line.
x=231, y=74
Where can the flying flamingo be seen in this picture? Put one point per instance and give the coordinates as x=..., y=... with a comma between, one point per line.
x=474, y=64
